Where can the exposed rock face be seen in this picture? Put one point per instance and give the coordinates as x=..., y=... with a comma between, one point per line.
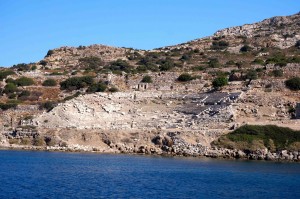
x=283, y=31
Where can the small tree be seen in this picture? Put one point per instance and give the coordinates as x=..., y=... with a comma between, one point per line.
x=147, y=79
x=49, y=82
x=219, y=82
x=293, y=83
x=184, y=77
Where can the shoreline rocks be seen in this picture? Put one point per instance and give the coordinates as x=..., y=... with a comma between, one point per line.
x=174, y=151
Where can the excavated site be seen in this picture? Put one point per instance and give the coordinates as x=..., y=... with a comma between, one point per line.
x=162, y=115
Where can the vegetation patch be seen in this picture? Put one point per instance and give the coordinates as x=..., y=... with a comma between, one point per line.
x=293, y=83
x=185, y=77
x=24, y=81
x=219, y=45
x=49, y=82
x=253, y=137
x=147, y=79
x=75, y=83
x=5, y=73
x=219, y=82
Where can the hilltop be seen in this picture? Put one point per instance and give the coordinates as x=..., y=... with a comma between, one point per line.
x=175, y=99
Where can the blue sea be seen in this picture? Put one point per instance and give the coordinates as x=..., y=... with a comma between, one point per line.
x=31, y=174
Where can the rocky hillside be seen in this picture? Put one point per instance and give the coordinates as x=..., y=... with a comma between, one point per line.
x=176, y=99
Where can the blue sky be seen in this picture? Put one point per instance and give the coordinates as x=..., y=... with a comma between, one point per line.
x=29, y=28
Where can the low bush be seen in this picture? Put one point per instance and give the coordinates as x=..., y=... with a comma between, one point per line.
x=75, y=83
x=24, y=81
x=293, y=83
x=219, y=45
x=5, y=73
x=185, y=77
x=147, y=79
x=10, y=88
x=220, y=82
x=49, y=82
x=277, y=73
x=214, y=63
x=99, y=87
x=91, y=62
x=271, y=136
x=8, y=105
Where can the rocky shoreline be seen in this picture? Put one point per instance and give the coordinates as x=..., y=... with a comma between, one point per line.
x=200, y=151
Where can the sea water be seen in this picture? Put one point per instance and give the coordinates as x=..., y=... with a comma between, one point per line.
x=31, y=174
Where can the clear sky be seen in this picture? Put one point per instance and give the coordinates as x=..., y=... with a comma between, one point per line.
x=29, y=28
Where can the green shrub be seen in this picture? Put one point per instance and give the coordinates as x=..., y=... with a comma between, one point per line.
x=147, y=79
x=277, y=59
x=75, y=83
x=281, y=137
x=5, y=73
x=10, y=88
x=166, y=64
x=277, y=73
x=34, y=67
x=56, y=73
x=294, y=59
x=258, y=61
x=198, y=68
x=24, y=93
x=8, y=105
x=49, y=82
x=120, y=65
x=141, y=69
x=99, y=87
x=91, y=62
x=22, y=67
x=214, y=63
x=24, y=81
x=185, y=77
x=219, y=45
x=220, y=82
x=293, y=83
